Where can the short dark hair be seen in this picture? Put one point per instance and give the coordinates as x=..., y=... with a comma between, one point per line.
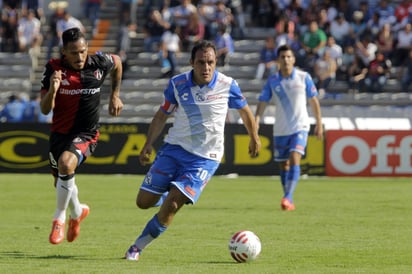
x=284, y=47
x=72, y=35
x=202, y=45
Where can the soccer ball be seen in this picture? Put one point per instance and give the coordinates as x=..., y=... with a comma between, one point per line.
x=244, y=246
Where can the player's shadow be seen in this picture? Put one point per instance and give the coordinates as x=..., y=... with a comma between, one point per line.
x=22, y=255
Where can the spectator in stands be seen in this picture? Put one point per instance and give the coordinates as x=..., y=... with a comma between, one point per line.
x=30, y=36
x=153, y=30
x=193, y=32
x=323, y=20
x=386, y=13
x=264, y=13
x=324, y=72
x=285, y=30
x=223, y=16
x=406, y=79
x=335, y=51
x=357, y=27
x=181, y=14
x=32, y=111
x=367, y=12
x=348, y=60
x=37, y=6
x=356, y=73
x=124, y=44
x=311, y=13
x=92, y=11
x=374, y=25
x=213, y=16
x=402, y=14
x=13, y=110
x=67, y=22
x=53, y=39
x=374, y=77
x=403, y=45
x=9, y=24
x=238, y=22
x=29, y=31
x=128, y=11
x=267, y=60
x=170, y=48
x=166, y=11
x=365, y=49
x=339, y=29
x=385, y=41
x=313, y=42
x=294, y=12
x=224, y=46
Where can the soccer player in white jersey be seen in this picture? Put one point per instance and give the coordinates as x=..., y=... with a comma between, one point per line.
x=193, y=147
x=291, y=90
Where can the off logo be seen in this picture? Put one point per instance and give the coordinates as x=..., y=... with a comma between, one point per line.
x=370, y=154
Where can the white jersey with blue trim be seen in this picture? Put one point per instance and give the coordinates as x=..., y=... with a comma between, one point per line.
x=290, y=97
x=200, y=112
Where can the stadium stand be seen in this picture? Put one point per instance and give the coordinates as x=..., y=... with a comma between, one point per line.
x=142, y=85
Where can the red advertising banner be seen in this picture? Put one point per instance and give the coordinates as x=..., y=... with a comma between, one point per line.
x=368, y=153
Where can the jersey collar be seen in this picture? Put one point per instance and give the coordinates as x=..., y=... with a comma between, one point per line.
x=292, y=76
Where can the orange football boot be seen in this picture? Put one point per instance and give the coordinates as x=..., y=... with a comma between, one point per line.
x=57, y=233
x=74, y=224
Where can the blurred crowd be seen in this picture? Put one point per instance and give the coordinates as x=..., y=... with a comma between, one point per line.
x=365, y=43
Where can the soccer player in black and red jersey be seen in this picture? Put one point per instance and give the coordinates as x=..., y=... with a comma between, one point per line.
x=71, y=88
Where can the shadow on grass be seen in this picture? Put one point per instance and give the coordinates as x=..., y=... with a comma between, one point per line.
x=22, y=255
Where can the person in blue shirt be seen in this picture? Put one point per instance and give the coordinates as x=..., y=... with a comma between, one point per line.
x=291, y=89
x=224, y=46
x=199, y=100
x=267, y=58
x=32, y=112
x=13, y=110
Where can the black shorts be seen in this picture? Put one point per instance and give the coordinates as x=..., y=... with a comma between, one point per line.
x=82, y=145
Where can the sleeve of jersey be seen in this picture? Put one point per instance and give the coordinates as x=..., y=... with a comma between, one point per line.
x=106, y=60
x=311, y=90
x=45, y=82
x=266, y=93
x=169, y=102
x=236, y=98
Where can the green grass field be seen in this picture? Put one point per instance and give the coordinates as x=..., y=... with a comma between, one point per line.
x=350, y=225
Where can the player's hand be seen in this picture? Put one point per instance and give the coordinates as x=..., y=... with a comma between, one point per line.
x=254, y=147
x=115, y=106
x=144, y=157
x=55, y=80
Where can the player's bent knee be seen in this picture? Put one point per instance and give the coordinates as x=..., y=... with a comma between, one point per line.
x=145, y=200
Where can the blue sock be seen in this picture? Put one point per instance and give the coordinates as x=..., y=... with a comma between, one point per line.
x=292, y=181
x=161, y=200
x=283, y=175
x=152, y=230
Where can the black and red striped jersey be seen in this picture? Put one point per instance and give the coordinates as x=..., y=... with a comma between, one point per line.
x=77, y=103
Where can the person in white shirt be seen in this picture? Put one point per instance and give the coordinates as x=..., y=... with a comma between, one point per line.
x=170, y=48
x=199, y=100
x=291, y=89
x=29, y=31
x=68, y=22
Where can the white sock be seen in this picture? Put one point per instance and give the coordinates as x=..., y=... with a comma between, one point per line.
x=64, y=190
x=74, y=204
